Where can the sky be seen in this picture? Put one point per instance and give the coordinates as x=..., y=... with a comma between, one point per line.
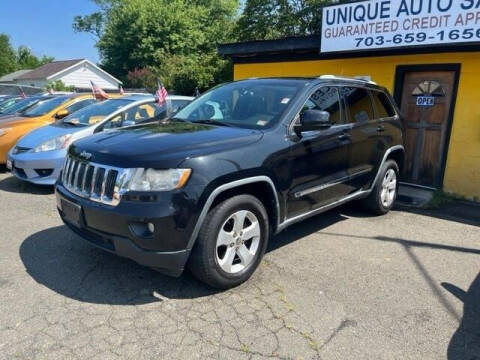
x=45, y=26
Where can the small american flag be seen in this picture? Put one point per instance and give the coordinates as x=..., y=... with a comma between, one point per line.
x=22, y=93
x=161, y=94
x=98, y=93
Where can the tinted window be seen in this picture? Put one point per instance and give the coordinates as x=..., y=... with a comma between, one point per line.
x=137, y=114
x=327, y=98
x=21, y=105
x=141, y=113
x=383, y=105
x=7, y=104
x=178, y=105
x=250, y=104
x=358, y=103
x=47, y=106
x=96, y=112
x=80, y=104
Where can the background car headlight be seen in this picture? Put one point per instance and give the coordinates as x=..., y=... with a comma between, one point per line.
x=158, y=180
x=58, y=143
x=4, y=131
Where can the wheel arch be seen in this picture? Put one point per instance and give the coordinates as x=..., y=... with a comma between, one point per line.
x=399, y=156
x=262, y=187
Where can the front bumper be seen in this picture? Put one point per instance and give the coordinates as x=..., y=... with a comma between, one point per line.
x=119, y=230
x=41, y=168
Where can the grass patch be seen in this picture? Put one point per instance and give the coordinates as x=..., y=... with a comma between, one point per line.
x=441, y=198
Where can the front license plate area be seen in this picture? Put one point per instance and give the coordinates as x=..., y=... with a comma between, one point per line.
x=71, y=212
x=9, y=165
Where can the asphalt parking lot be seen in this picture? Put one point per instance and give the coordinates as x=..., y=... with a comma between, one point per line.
x=342, y=285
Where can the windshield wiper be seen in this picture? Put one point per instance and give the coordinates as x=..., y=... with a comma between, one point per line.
x=212, y=122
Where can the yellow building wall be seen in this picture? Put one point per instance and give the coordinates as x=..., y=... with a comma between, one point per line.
x=462, y=175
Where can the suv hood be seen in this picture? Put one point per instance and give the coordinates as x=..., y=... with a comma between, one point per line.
x=162, y=145
x=43, y=134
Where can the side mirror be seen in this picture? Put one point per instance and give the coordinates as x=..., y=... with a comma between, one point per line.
x=61, y=114
x=311, y=120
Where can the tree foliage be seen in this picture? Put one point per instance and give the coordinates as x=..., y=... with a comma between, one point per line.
x=21, y=58
x=177, y=39
x=8, y=60
x=272, y=19
x=174, y=39
x=27, y=60
x=59, y=85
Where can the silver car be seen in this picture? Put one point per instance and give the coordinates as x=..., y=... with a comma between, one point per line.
x=39, y=156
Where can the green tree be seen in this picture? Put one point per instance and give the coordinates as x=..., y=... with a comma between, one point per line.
x=272, y=19
x=59, y=85
x=8, y=60
x=27, y=60
x=175, y=39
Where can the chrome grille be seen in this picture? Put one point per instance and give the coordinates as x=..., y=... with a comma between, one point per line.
x=100, y=183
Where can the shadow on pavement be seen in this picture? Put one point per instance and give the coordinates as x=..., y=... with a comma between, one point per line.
x=465, y=343
x=459, y=211
x=14, y=185
x=64, y=263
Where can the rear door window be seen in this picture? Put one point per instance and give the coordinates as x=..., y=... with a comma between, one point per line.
x=383, y=105
x=358, y=104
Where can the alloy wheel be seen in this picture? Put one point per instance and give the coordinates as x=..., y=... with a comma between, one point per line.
x=238, y=241
x=389, y=188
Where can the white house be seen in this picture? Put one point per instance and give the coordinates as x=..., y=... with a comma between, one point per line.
x=77, y=73
x=12, y=77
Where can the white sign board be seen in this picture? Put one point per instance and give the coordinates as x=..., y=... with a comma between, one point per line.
x=380, y=24
x=425, y=101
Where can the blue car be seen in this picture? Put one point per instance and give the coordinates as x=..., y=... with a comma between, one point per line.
x=38, y=157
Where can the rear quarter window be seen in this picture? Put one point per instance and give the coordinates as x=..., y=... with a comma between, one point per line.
x=383, y=105
x=358, y=104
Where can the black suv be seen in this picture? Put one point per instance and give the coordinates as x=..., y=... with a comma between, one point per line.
x=209, y=187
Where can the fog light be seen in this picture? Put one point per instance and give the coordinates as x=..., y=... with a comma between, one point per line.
x=151, y=227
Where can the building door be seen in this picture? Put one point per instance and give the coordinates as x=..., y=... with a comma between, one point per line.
x=427, y=100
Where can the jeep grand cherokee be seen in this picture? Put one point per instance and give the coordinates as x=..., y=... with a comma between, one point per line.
x=208, y=188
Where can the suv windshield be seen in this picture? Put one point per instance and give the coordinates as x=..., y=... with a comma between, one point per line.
x=255, y=104
x=95, y=113
x=47, y=106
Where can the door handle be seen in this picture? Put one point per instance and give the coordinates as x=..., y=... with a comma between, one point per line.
x=344, y=136
x=380, y=128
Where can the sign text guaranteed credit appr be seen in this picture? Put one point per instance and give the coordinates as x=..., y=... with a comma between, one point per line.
x=377, y=24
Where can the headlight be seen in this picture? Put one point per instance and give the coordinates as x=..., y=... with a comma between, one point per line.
x=4, y=131
x=58, y=143
x=158, y=180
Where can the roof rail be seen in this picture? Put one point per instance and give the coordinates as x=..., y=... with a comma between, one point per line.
x=349, y=78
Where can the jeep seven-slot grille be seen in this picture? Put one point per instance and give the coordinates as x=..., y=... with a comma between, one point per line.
x=93, y=181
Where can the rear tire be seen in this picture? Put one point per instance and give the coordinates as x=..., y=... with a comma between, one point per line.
x=384, y=193
x=231, y=242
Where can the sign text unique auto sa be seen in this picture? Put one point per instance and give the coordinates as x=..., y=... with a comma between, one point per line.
x=377, y=24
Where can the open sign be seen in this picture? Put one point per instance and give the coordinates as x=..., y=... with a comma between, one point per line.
x=425, y=101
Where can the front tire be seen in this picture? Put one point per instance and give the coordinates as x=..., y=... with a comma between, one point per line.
x=384, y=193
x=231, y=242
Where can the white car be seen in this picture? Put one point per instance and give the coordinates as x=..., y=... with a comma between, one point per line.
x=39, y=156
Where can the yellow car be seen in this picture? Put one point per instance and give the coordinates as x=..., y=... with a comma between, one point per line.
x=44, y=113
